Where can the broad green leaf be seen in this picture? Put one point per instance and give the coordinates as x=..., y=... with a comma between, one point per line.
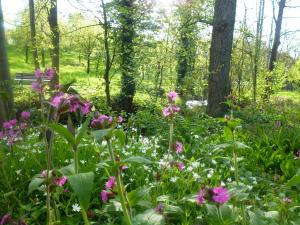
x=228, y=134
x=82, y=130
x=64, y=132
x=103, y=165
x=149, y=217
x=100, y=134
x=82, y=184
x=256, y=218
x=68, y=170
x=137, y=195
x=120, y=134
x=172, y=209
x=137, y=159
x=34, y=184
x=295, y=181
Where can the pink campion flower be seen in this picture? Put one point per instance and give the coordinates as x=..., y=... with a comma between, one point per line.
x=180, y=166
x=60, y=182
x=200, y=197
x=124, y=167
x=5, y=219
x=2, y=135
x=220, y=195
x=9, y=124
x=170, y=111
x=120, y=119
x=23, y=126
x=86, y=108
x=38, y=73
x=25, y=115
x=172, y=96
x=104, y=196
x=110, y=184
x=37, y=87
x=57, y=100
x=50, y=73
x=179, y=147
x=102, y=122
x=43, y=174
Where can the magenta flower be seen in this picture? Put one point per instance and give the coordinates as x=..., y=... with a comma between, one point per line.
x=86, y=108
x=120, y=119
x=180, y=166
x=9, y=124
x=37, y=87
x=5, y=219
x=110, y=184
x=159, y=208
x=172, y=96
x=50, y=73
x=60, y=182
x=38, y=73
x=58, y=100
x=102, y=122
x=23, y=126
x=2, y=135
x=124, y=167
x=25, y=115
x=220, y=195
x=179, y=147
x=200, y=197
x=104, y=196
x=170, y=110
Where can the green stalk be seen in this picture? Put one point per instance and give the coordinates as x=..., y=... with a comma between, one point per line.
x=119, y=185
x=171, y=137
x=236, y=173
x=84, y=216
x=75, y=159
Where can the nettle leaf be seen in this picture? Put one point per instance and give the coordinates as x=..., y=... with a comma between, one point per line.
x=35, y=184
x=256, y=218
x=82, y=185
x=82, y=130
x=149, y=217
x=68, y=170
x=137, y=159
x=138, y=195
x=64, y=132
x=295, y=181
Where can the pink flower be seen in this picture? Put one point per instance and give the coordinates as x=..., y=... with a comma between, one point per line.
x=23, y=126
x=179, y=147
x=104, y=196
x=220, y=195
x=110, y=184
x=102, y=122
x=9, y=124
x=43, y=174
x=120, y=119
x=57, y=100
x=37, y=87
x=200, y=197
x=287, y=200
x=60, y=182
x=5, y=219
x=180, y=166
x=38, y=73
x=25, y=115
x=50, y=73
x=172, y=96
x=2, y=135
x=159, y=208
x=86, y=108
x=170, y=110
x=124, y=167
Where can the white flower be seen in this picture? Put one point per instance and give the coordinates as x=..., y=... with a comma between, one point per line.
x=76, y=207
x=214, y=162
x=82, y=162
x=189, y=169
x=195, y=165
x=231, y=168
x=22, y=159
x=229, y=179
x=173, y=179
x=209, y=175
x=196, y=176
x=18, y=172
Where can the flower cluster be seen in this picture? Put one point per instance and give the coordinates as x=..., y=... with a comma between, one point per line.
x=109, y=186
x=104, y=122
x=217, y=195
x=171, y=110
x=40, y=76
x=69, y=103
x=60, y=182
x=12, y=129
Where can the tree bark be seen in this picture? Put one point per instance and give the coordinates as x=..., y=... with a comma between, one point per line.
x=33, y=35
x=6, y=91
x=53, y=22
x=219, y=85
x=107, y=56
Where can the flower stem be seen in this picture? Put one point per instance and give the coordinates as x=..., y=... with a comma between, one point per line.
x=76, y=160
x=119, y=185
x=84, y=216
x=171, y=137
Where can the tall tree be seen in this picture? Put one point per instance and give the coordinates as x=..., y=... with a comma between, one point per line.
x=53, y=23
x=6, y=93
x=33, y=34
x=219, y=85
x=127, y=54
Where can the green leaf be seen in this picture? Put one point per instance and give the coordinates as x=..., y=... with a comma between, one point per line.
x=113, y=206
x=149, y=217
x=100, y=134
x=228, y=134
x=82, y=130
x=82, y=184
x=256, y=218
x=295, y=181
x=120, y=134
x=137, y=159
x=34, y=184
x=137, y=195
x=67, y=170
x=64, y=132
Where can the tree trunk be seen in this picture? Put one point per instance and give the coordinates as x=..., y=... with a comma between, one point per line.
x=33, y=35
x=26, y=53
x=219, y=85
x=127, y=65
x=107, y=56
x=52, y=19
x=6, y=92
x=88, y=64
